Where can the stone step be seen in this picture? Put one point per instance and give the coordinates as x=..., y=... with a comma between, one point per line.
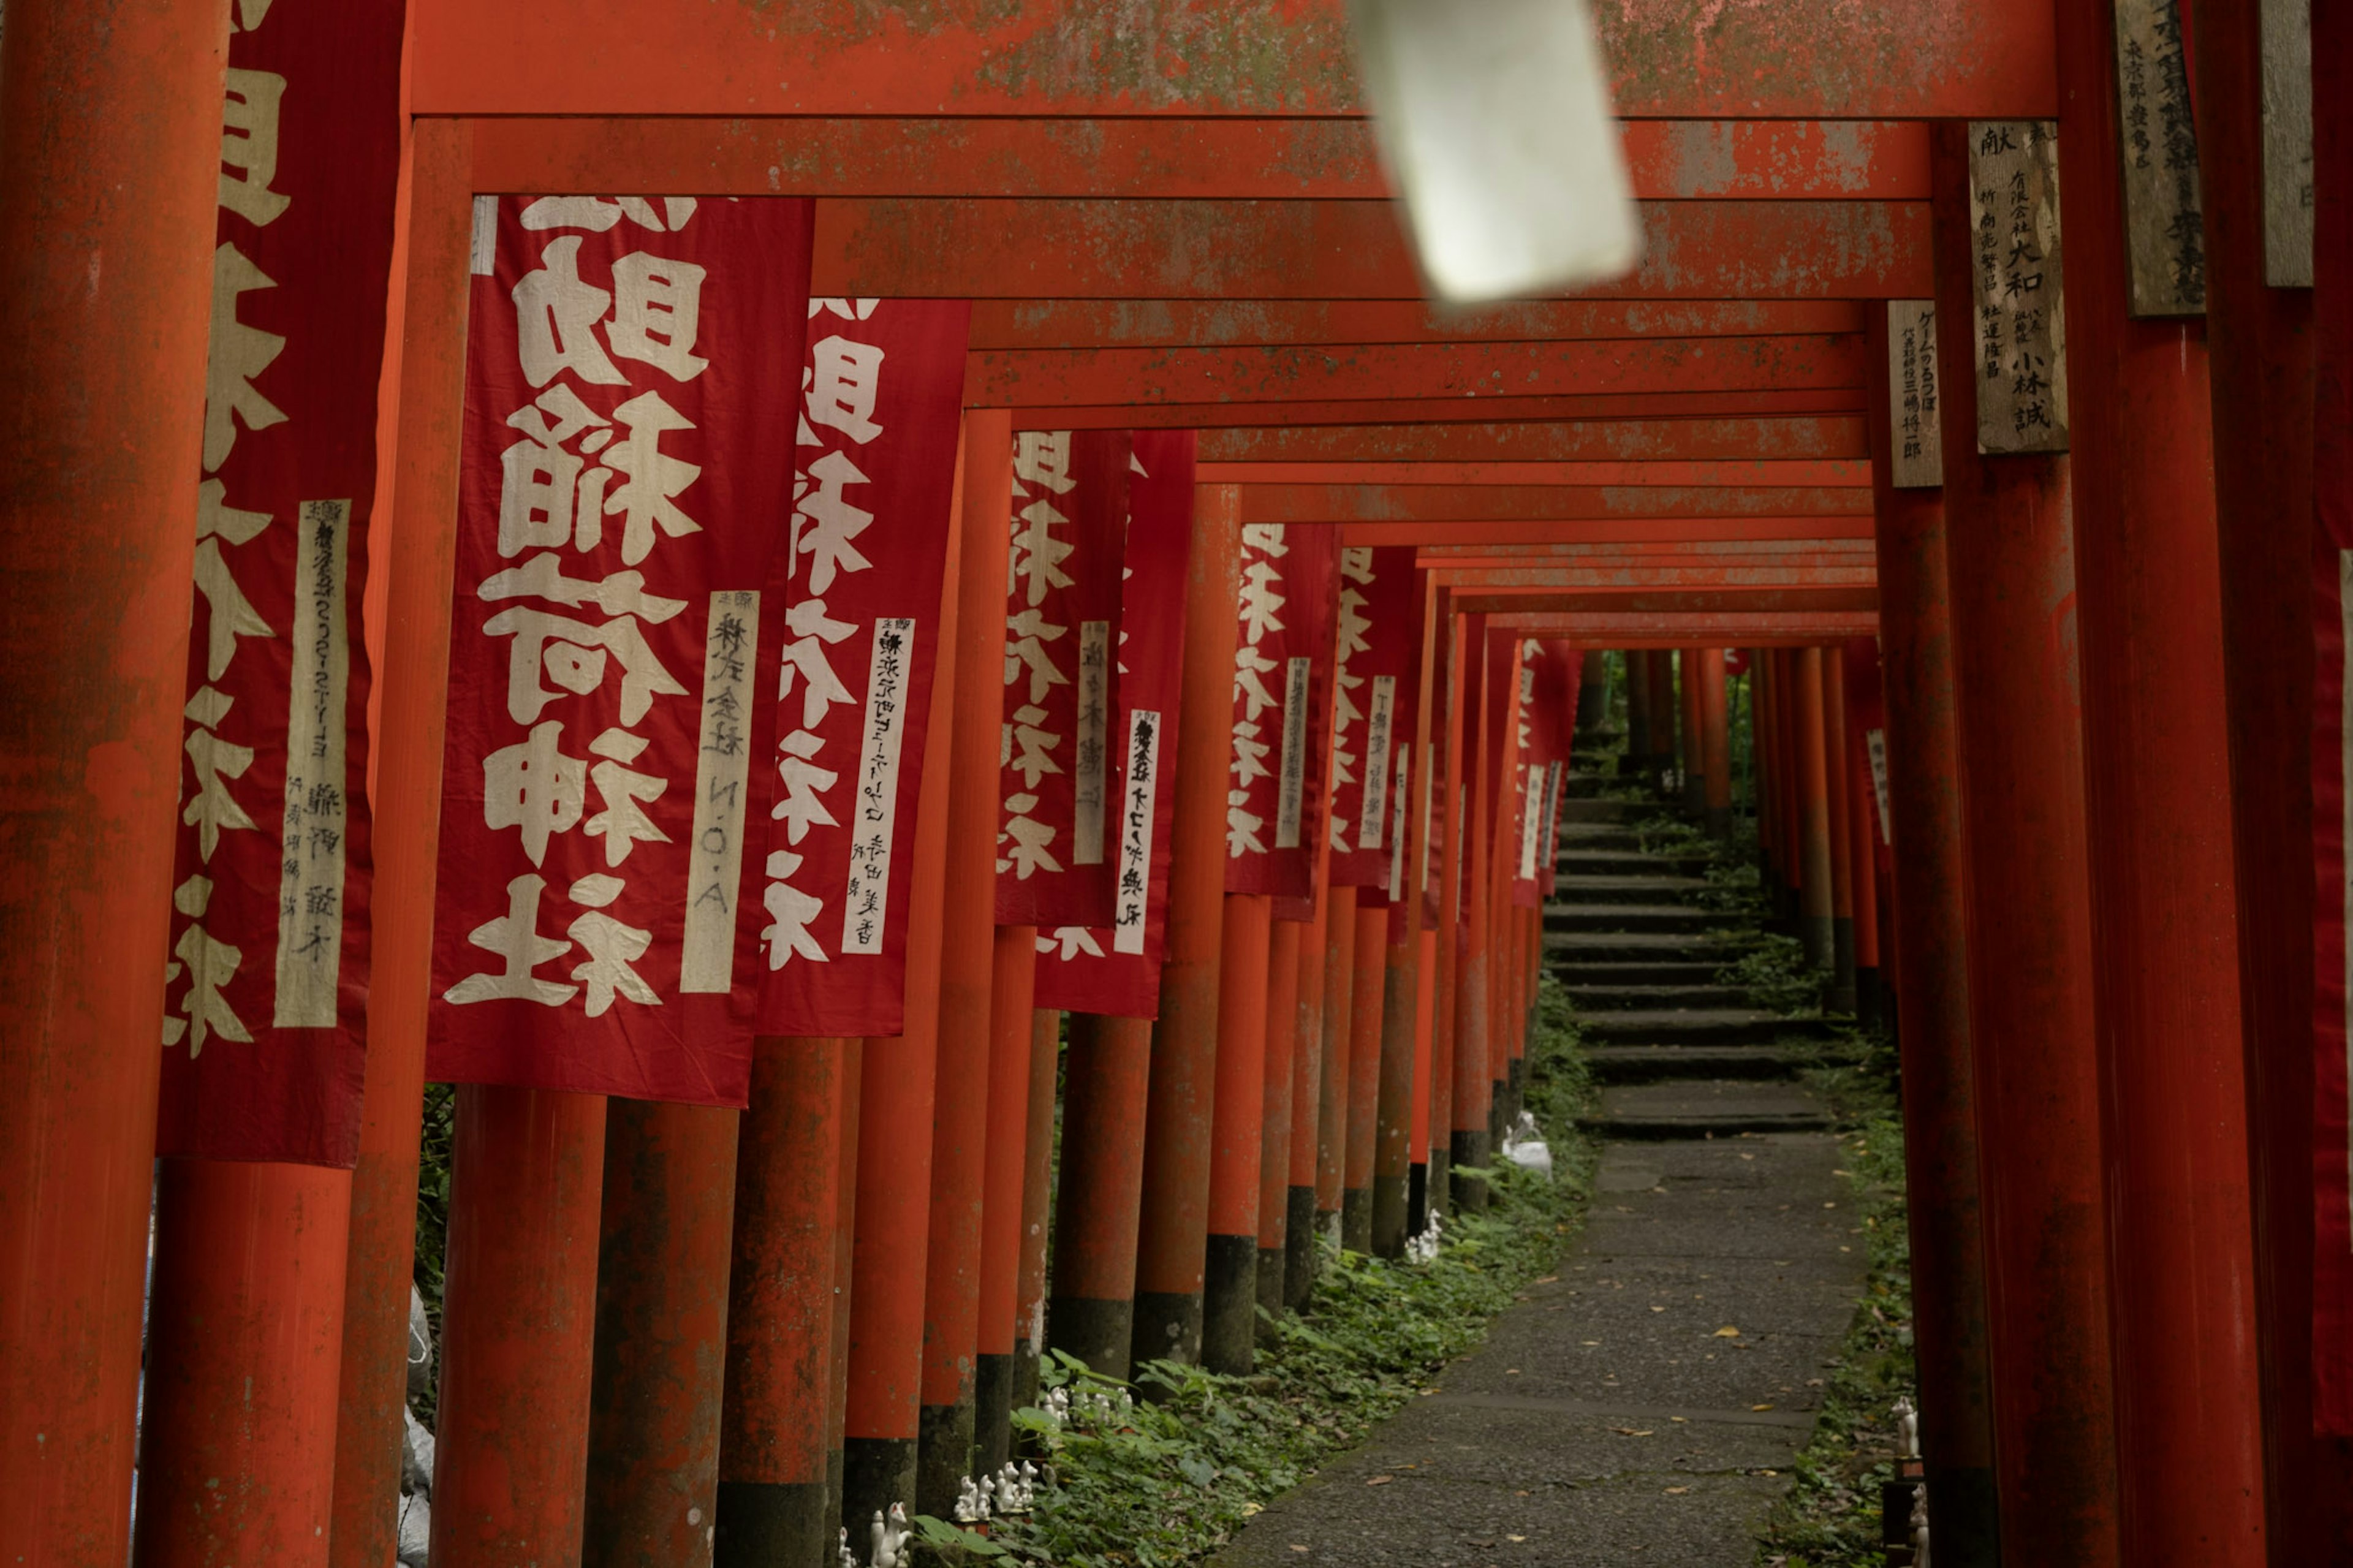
x=1638, y=997
x=1659, y=889
x=1652, y=1064
x=1581, y=838
x=1697, y=1027
x=1579, y=947
x=1705, y=1108
x=1589, y=811
x=1606, y=972
x=1585, y=862
x=1666, y=918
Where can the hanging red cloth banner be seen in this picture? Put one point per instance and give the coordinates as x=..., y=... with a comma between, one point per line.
x=1055, y=843
x=873, y=486
x=630, y=402
x=266, y=979
x=1377, y=684
x=1116, y=970
x=1282, y=662
x=1532, y=777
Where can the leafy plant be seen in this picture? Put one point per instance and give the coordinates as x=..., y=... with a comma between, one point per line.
x=1776, y=976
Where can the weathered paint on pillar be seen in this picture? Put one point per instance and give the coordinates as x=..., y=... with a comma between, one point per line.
x=897, y=1082
x=1932, y=996
x=1036, y=1205
x=1400, y=986
x=1331, y=1091
x=1428, y=1137
x=1278, y=1122
x=1861, y=660
x=1815, y=877
x=1445, y=775
x=1306, y=1108
x=1715, y=743
x=2262, y=369
x=2011, y=584
x=242, y=1362
x=111, y=119
x=518, y=1315
x=966, y=899
x=845, y=1271
x=661, y=1335
x=1012, y=1024
x=1090, y=1313
x=1473, y=1085
x=1837, y=779
x=783, y=1292
x=429, y=314
x=1369, y=973
x=1173, y=1239
x=1237, y=1135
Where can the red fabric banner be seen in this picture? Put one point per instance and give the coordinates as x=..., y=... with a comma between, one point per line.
x=1531, y=777
x=1282, y=663
x=1561, y=669
x=1056, y=847
x=630, y=395
x=1378, y=682
x=1116, y=970
x=873, y=486
x=264, y=1025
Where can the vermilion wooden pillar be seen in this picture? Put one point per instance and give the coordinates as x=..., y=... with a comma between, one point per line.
x=897, y=1082
x=1816, y=887
x=1930, y=960
x=783, y=1294
x=1764, y=746
x=1279, y=1122
x=1306, y=1108
x=1090, y=1311
x=660, y=1352
x=2011, y=584
x=2165, y=938
x=1860, y=660
x=1789, y=784
x=845, y=1271
x=1466, y=893
x=1394, y=1095
x=1173, y=1237
x=414, y=681
x=1441, y=818
x=1229, y=1290
x=242, y=1361
x=2263, y=369
x=526, y=1180
x=1369, y=971
x=960, y=1127
x=1428, y=1136
x=1036, y=1205
x=1012, y=1027
x=1715, y=741
x=112, y=117
x=1697, y=758
x=1838, y=778
x=1338, y=1031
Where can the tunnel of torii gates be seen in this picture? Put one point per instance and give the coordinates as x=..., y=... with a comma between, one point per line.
x=2080, y=569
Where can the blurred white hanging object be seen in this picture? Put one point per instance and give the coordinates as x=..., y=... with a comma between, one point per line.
x=1495, y=120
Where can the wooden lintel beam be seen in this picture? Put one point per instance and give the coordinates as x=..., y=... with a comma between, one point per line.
x=1692, y=439
x=1607, y=531
x=1619, y=629
x=1035, y=324
x=1497, y=503
x=1428, y=412
x=1833, y=471
x=1639, y=575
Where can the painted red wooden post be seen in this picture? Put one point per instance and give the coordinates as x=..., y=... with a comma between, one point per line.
x=667, y=1234
x=1090, y=1313
x=1464, y=898
x=1299, y=1231
x=1173, y=1236
x=1400, y=986
x=845, y=1273
x=1812, y=796
x=2011, y=584
x=242, y=1361
x=1932, y=997
x=1337, y=1079
x=1837, y=778
x=890, y=1199
x=1229, y=1290
x=113, y=118
x=2164, y=962
x=1715, y=741
x=1445, y=818
x=1275, y=1177
x=1037, y=1206
x=519, y=1311
x=1765, y=747
x=413, y=689
x=783, y=1295
x=1013, y=1024
x=960, y=1127
x=1861, y=658
x=2262, y=367
x=1368, y=973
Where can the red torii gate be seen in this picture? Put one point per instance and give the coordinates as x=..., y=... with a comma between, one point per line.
x=1088, y=120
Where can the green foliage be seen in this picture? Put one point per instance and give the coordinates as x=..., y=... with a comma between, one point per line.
x=1775, y=974
x=1831, y=1517
x=1199, y=1454
x=433, y=1215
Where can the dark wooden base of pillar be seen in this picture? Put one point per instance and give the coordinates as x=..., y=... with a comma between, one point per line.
x=761, y=1525
x=1299, y=1249
x=1230, y=1305
x=1099, y=1333
x=993, y=1395
x=1167, y=1328
x=942, y=1456
x=875, y=1473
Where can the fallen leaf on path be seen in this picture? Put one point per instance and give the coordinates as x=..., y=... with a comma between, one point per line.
x=1677, y=1491
x=1760, y=1407
x=1380, y=1480
x=1726, y=1333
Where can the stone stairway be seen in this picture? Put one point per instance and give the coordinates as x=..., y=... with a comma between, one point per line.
x=1641, y=947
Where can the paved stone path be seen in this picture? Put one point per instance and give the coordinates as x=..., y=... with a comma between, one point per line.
x=1643, y=1403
